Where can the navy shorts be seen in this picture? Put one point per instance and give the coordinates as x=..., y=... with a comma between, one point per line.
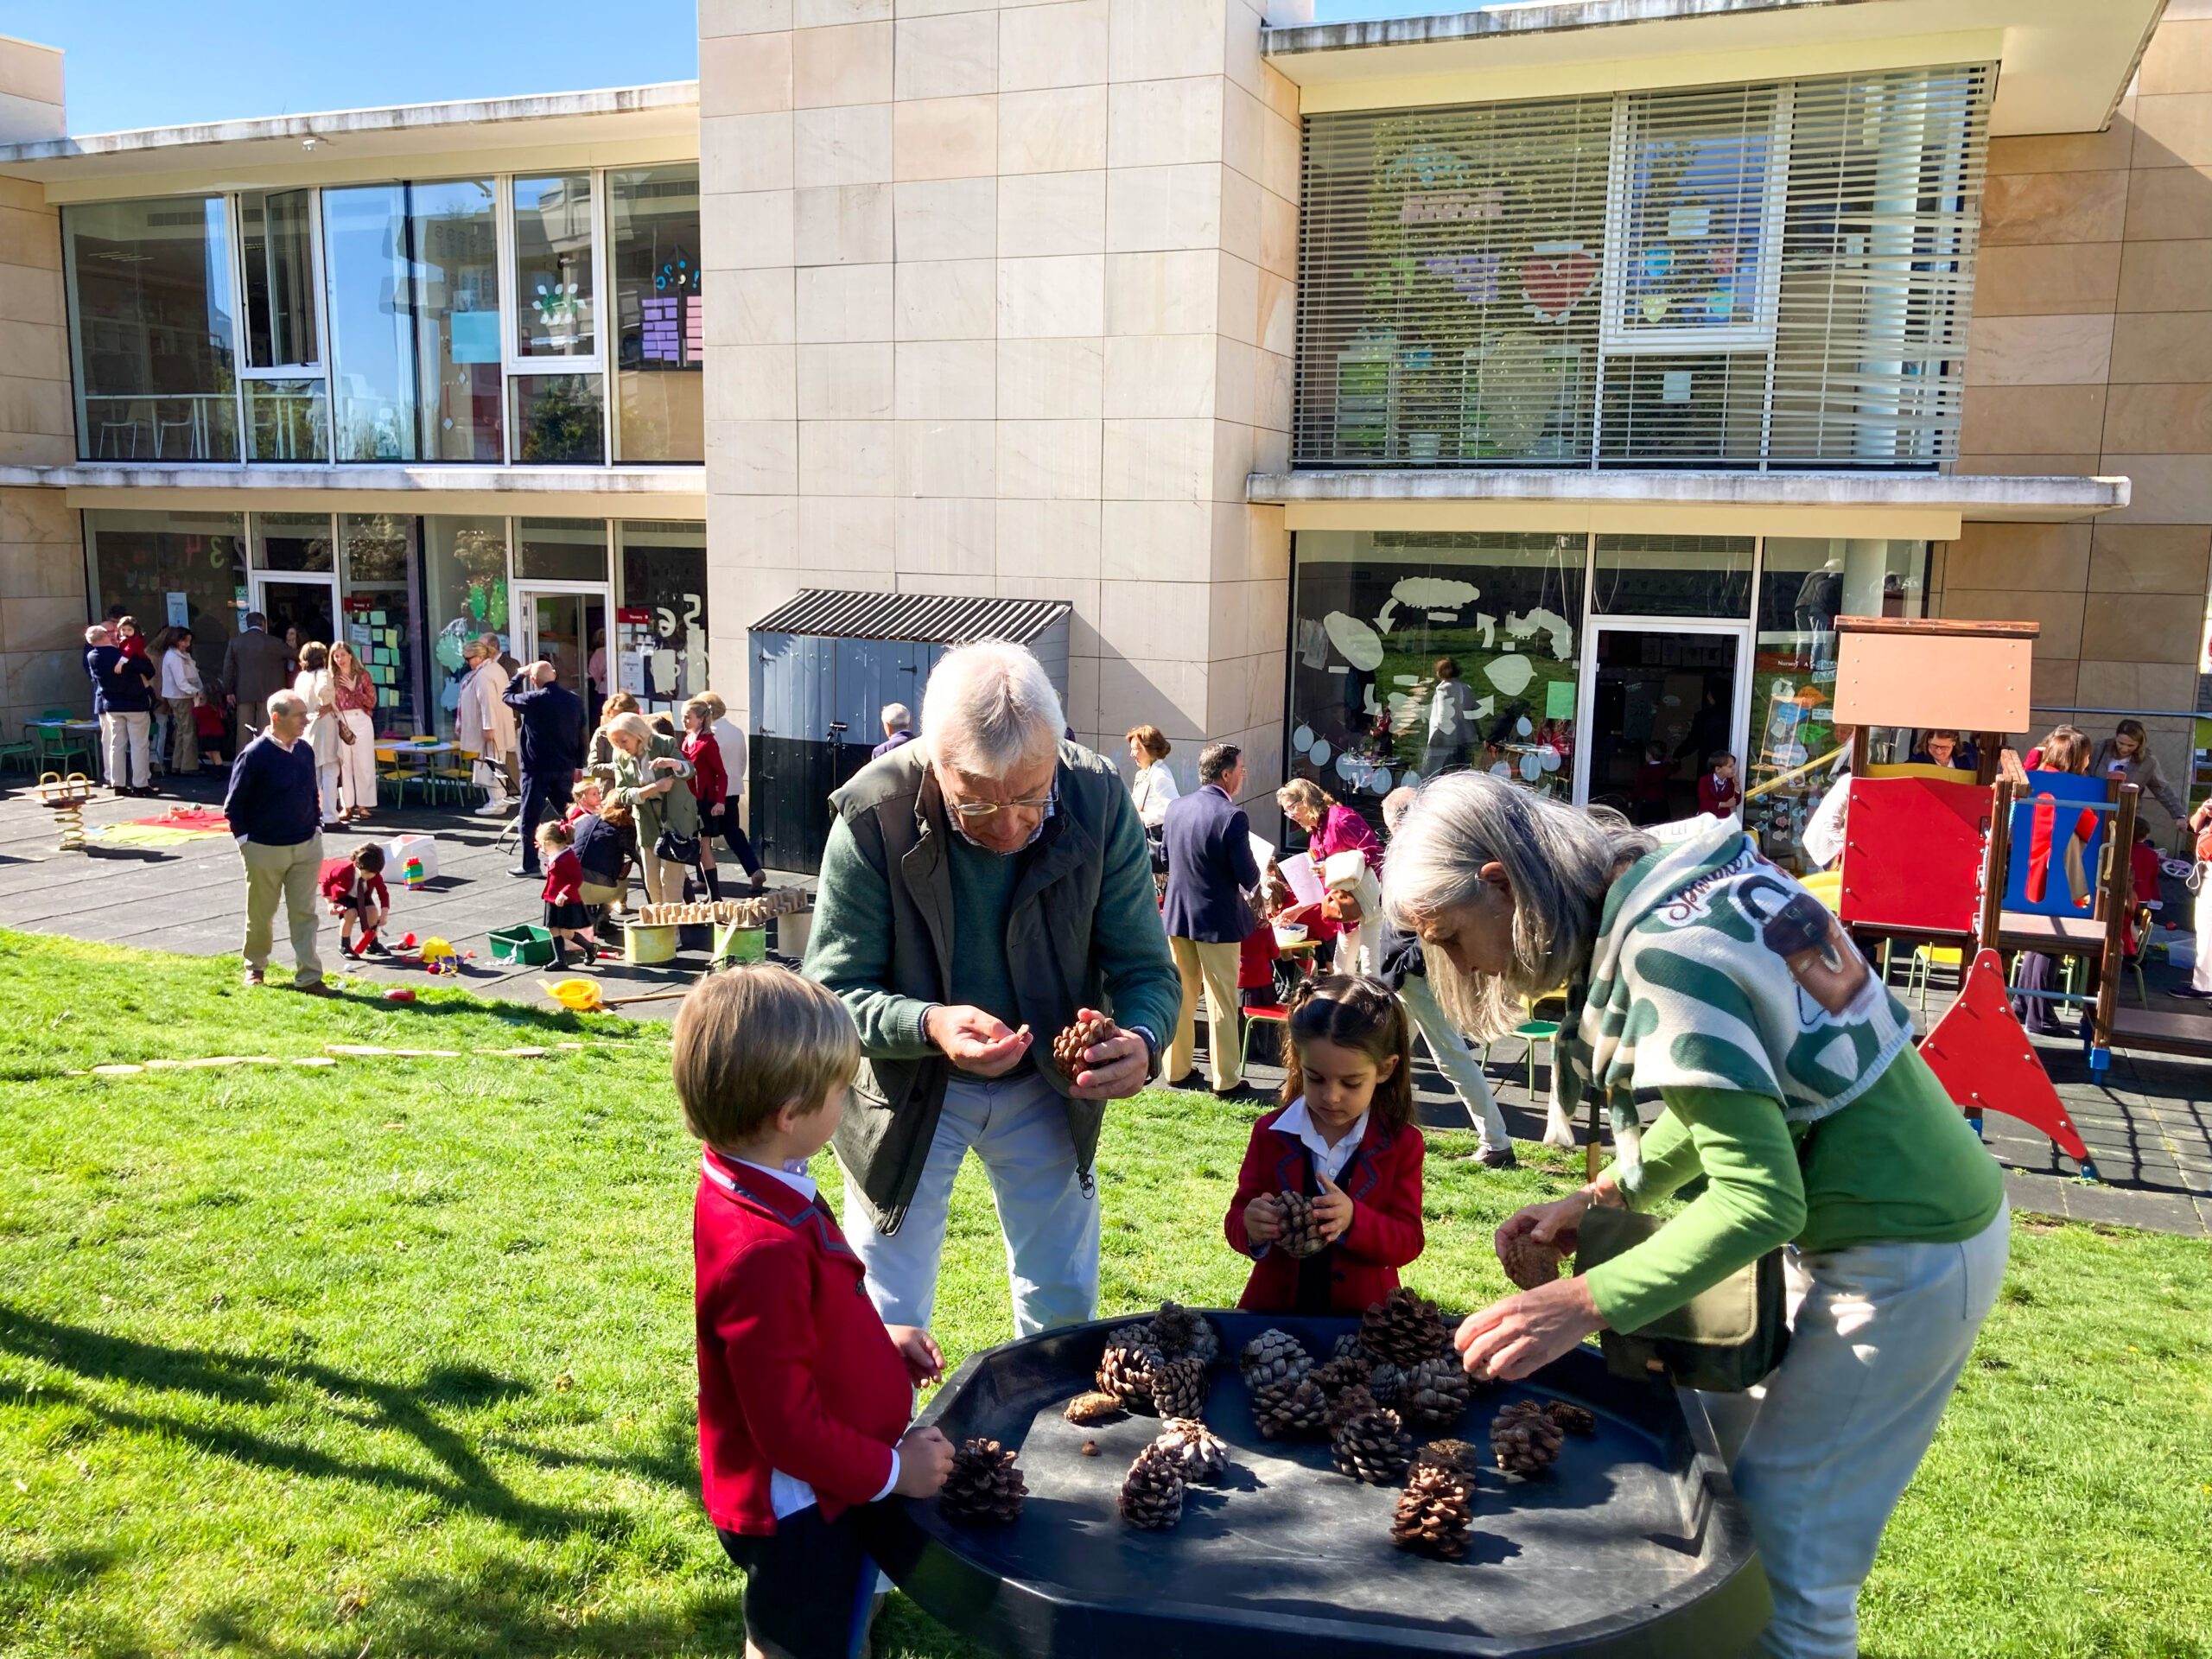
x=808, y=1586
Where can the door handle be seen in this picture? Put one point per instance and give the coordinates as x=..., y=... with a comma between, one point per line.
x=837, y=728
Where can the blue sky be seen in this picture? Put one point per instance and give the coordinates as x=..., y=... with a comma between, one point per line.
x=154, y=63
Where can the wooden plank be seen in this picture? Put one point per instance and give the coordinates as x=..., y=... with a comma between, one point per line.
x=1964, y=682
x=1952, y=626
x=2162, y=1033
x=2065, y=936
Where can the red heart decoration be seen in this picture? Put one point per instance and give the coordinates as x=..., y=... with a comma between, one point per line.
x=1554, y=285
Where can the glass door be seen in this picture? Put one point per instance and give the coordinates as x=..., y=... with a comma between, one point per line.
x=1660, y=699
x=301, y=609
x=564, y=624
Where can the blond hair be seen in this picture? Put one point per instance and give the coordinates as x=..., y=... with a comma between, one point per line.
x=1305, y=793
x=636, y=726
x=715, y=707
x=701, y=707
x=752, y=1040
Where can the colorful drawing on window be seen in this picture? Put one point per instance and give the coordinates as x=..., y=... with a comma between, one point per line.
x=1555, y=277
x=661, y=336
x=1473, y=277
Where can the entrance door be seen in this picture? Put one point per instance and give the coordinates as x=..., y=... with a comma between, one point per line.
x=1660, y=699
x=308, y=603
x=564, y=624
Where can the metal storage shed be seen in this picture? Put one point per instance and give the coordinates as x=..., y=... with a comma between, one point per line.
x=823, y=667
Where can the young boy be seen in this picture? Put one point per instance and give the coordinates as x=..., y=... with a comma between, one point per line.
x=804, y=1394
x=1718, y=794
x=355, y=889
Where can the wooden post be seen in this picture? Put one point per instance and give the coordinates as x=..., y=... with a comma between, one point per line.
x=2111, y=893
x=1995, y=865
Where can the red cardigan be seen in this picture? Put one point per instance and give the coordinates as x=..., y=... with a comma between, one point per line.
x=1383, y=1182
x=564, y=880
x=336, y=878
x=796, y=1371
x=709, y=778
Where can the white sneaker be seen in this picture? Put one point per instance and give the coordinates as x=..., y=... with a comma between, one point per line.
x=496, y=807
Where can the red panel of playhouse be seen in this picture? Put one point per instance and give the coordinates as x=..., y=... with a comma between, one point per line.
x=1913, y=853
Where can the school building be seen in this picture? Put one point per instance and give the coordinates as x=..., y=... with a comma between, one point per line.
x=1608, y=349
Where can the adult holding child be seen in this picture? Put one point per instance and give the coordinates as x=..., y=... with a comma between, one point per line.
x=983, y=887
x=1701, y=974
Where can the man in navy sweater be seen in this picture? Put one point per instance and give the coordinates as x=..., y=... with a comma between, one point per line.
x=549, y=718
x=276, y=813
x=1210, y=869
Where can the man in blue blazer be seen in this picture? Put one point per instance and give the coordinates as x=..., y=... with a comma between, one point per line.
x=550, y=723
x=1210, y=869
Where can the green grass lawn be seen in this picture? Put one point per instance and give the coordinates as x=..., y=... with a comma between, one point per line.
x=393, y=1356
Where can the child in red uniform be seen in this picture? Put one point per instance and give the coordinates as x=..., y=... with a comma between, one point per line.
x=355, y=889
x=1345, y=1137
x=1718, y=794
x=568, y=918
x=804, y=1395
x=709, y=785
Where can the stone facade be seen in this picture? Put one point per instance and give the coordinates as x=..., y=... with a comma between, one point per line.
x=2092, y=353
x=1005, y=307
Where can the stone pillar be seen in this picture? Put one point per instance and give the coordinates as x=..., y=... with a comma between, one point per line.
x=1007, y=308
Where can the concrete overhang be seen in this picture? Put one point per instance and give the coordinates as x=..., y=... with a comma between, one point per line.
x=623, y=125
x=557, y=491
x=2065, y=62
x=1914, y=506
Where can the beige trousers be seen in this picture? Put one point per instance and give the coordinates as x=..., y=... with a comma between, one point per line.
x=289, y=873
x=1215, y=967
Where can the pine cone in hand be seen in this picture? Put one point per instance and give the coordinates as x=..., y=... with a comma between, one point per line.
x=1298, y=1410
x=1403, y=1328
x=1274, y=1357
x=1301, y=1228
x=1125, y=1368
x=1070, y=1046
x=1435, y=1513
x=1432, y=1394
x=1527, y=1264
x=1092, y=1408
x=1151, y=1494
x=1523, y=1439
x=984, y=1488
x=1203, y=1454
x=1179, y=1334
x=1462, y=1456
x=1179, y=1387
x=1373, y=1447
x=1573, y=1419
x=1351, y=1402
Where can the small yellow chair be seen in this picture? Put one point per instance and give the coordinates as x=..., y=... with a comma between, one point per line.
x=1928, y=956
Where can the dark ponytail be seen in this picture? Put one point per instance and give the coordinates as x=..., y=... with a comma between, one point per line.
x=1356, y=1013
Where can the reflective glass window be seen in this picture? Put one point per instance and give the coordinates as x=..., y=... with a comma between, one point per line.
x=276, y=249
x=560, y=549
x=454, y=242
x=665, y=606
x=1673, y=575
x=150, y=315
x=371, y=333
x=292, y=540
x=557, y=304
x=464, y=595
x=660, y=327
x=378, y=552
x=139, y=560
x=559, y=420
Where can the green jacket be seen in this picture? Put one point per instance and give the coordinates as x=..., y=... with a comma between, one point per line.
x=675, y=810
x=1081, y=930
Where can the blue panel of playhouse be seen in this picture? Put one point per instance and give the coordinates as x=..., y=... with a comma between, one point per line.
x=2066, y=884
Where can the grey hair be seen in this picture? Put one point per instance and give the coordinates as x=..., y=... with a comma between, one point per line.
x=1559, y=860
x=1395, y=806
x=286, y=702
x=897, y=717
x=989, y=709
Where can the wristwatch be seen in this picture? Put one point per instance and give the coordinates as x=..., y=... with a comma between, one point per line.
x=1151, y=1050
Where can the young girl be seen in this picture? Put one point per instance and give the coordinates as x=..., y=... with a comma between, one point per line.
x=567, y=917
x=709, y=785
x=1344, y=1138
x=355, y=889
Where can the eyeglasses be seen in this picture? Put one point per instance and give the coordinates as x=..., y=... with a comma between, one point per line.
x=978, y=811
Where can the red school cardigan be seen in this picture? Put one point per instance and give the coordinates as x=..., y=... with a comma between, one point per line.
x=1383, y=1182
x=796, y=1371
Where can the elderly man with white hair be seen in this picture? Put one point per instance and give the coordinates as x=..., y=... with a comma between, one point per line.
x=275, y=811
x=984, y=887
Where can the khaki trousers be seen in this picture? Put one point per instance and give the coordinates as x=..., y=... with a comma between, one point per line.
x=1215, y=967
x=289, y=873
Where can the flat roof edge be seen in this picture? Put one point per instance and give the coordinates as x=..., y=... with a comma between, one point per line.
x=1507, y=21
x=1967, y=492
x=188, y=477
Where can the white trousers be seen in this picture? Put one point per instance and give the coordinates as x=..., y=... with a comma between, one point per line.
x=129, y=756
x=2200, y=977
x=1879, y=1334
x=325, y=782
x=357, y=761
x=1019, y=1127
x=1449, y=1050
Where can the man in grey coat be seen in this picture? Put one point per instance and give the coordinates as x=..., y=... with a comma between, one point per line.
x=255, y=668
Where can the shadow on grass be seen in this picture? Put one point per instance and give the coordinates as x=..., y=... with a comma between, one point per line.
x=249, y=1381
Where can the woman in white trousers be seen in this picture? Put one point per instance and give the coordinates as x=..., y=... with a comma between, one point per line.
x=355, y=696
x=320, y=697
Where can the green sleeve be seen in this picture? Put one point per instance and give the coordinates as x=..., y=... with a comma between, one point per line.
x=1669, y=1162
x=1127, y=940
x=1754, y=1200
x=849, y=950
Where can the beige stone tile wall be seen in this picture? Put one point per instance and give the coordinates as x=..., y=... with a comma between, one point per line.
x=1008, y=311
x=2092, y=352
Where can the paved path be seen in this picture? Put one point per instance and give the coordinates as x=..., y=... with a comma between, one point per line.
x=2148, y=1122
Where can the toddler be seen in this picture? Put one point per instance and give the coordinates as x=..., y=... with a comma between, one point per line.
x=709, y=785
x=1718, y=794
x=568, y=918
x=355, y=889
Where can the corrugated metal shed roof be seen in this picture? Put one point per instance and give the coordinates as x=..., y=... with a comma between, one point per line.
x=931, y=619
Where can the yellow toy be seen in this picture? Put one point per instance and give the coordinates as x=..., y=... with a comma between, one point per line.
x=440, y=957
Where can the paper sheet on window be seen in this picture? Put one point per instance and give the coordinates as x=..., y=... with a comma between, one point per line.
x=1304, y=881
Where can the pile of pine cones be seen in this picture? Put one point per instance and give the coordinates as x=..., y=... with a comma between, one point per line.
x=984, y=1488
x=1160, y=1366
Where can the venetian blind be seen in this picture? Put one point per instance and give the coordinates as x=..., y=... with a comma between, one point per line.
x=1772, y=275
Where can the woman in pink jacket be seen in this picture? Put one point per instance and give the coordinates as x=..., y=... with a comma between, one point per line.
x=1329, y=827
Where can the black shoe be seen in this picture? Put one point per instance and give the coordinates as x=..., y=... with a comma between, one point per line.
x=349, y=952
x=1237, y=1091
x=375, y=948
x=1190, y=1079
x=525, y=870
x=590, y=950
x=1495, y=1158
x=2190, y=994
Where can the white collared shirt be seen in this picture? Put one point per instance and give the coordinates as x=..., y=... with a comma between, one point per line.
x=1327, y=1159
x=788, y=1494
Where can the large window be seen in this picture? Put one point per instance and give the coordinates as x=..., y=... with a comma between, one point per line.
x=659, y=320
x=559, y=398
x=164, y=568
x=1770, y=274
x=464, y=595
x=151, y=323
x=372, y=343
x=664, y=607
x=456, y=257
x=286, y=407
x=377, y=550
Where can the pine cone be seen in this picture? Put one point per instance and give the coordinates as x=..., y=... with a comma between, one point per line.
x=1274, y=1357
x=1386, y=1382
x=1179, y=1387
x=1125, y=1368
x=1432, y=1394
x=1068, y=1048
x=1203, y=1454
x=1373, y=1447
x=1348, y=1346
x=1301, y=1228
x=1179, y=1333
x=1092, y=1408
x=984, y=1488
x=1462, y=1456
x=1527, y=1264
x=1573, y=1419
x=1435, y=1513
x=1298, y=1411
x=1350, y=1401
x=1523, y=1439
x=1350, y=1372
x=1152, y=1494
x=1403, y=1328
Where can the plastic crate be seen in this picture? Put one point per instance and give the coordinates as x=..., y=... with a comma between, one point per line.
x=525, y=946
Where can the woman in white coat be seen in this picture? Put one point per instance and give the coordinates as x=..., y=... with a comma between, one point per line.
x=320, y=693
x=485, y=727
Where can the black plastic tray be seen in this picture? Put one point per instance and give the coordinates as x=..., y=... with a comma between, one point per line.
x=1633, y=1544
